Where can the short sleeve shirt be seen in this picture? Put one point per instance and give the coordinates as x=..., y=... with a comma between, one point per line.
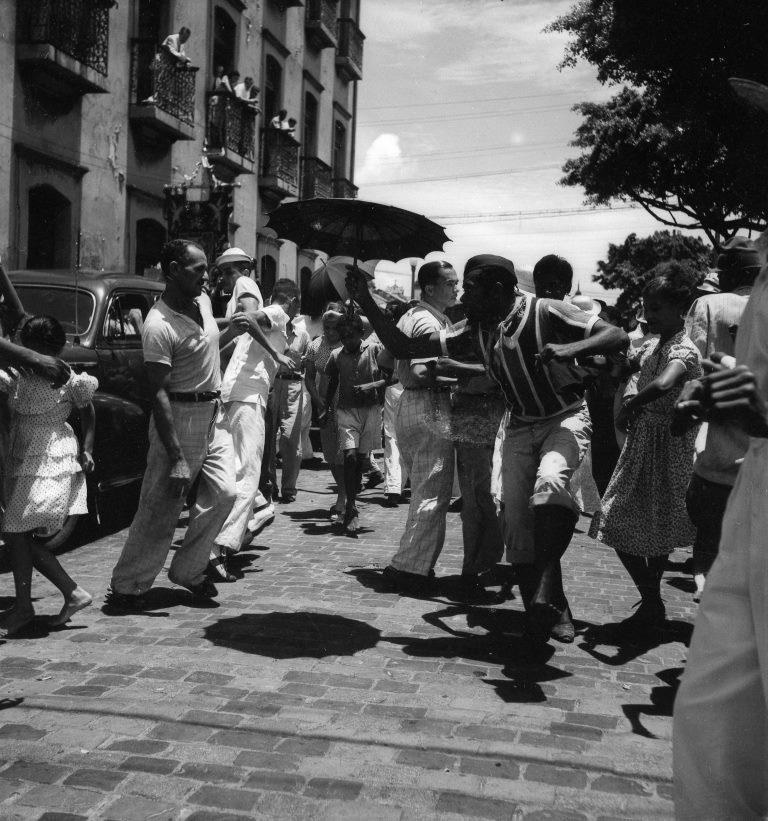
x=191, y=351
x=355, y=369
x=251, y=370
x=420, y=320
x=244, y=286
x=510, y=351
x=296, y=346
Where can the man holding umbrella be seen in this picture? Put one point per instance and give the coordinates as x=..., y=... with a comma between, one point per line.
x=529, y=346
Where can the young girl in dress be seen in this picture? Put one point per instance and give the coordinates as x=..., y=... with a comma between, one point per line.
x=643, y=514
x=44, y=472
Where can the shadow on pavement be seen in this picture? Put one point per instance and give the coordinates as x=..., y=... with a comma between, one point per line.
x=159, y=599
x=630, y=647
x=662, y=702
x=293, y=635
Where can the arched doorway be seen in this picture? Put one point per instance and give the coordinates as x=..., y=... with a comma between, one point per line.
x=273, y=87
x=224, y=41
x=150, y=238
x=268, y=276
x=49, y=228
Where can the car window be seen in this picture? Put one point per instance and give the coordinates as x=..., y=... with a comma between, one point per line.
x=125, y=317
x=73, y=309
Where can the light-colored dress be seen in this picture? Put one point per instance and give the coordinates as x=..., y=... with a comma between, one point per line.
x=643, y=510
x=44, y=482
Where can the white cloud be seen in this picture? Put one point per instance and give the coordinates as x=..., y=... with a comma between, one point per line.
x=384, y=161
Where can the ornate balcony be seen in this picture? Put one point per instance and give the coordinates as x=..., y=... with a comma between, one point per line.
x=316, y=178
x=231, y=132
x=279, y=174
x=320, y=23
x=162, y=91
x=65, y=44
x=349, y=53
x=344, y=188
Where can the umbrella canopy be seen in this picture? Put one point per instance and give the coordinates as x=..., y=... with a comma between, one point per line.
x=328, y=281
x=363, y=230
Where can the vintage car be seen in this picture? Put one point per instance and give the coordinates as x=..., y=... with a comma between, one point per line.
x=102, y=315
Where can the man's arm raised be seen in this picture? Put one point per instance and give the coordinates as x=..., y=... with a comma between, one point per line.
x=393, y=339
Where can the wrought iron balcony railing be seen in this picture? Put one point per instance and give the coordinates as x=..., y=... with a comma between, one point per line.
x=280, y=163
x=316, y=178
x=320, y=21
x=158, y=78
x=344, y=188
x=231, y=125
x=349, y=52
x=78, y=28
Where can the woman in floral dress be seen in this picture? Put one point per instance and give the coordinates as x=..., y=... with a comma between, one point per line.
x=643, y=514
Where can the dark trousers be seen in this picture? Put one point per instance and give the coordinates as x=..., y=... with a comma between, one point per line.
x=705, y=502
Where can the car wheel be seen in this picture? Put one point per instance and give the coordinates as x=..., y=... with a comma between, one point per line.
x=61, y=536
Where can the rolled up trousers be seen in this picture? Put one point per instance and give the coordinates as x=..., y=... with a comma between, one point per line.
x=538, y=460
x=207, y=447
x=245, y=421
x=720, y=728
x=429, y=461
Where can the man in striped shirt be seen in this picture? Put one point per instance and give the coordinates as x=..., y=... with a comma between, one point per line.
x=529, y=346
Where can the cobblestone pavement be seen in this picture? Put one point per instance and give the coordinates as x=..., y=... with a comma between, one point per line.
x=307, y=693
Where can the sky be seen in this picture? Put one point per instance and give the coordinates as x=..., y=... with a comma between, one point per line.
x=464, y=116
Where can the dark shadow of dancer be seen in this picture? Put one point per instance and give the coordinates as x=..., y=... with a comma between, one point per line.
x=158, y=599
x=662, y=702
x=293, y=635
x=503, y=640
x=372, y=579
x=629, y=647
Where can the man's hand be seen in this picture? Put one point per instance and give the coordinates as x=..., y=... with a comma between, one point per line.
x=86, y=461
x=689, y=409
x=55, y=370
x=557, y=353
x=179, y=477
x=357, y=286
x=243, y=321
x=288, y=363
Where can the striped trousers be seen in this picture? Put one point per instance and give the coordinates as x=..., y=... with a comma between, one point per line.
x=428, y=460
x=207, y=447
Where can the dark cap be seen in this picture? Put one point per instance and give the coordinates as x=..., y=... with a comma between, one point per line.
x=488, y=261
x=737, y=254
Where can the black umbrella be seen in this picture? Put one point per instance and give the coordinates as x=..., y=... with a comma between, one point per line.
x=362, y=230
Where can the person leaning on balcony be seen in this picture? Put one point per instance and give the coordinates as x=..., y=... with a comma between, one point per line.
x=279, y=121
x=247, y=91
x=174, y=44
x=221, y=81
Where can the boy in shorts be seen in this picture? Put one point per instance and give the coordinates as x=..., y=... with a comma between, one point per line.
x=354, y=370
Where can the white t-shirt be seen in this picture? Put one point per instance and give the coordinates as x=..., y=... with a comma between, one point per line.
x=244, y=286
x=251, y=369
x=171, y=338
x=173, y=45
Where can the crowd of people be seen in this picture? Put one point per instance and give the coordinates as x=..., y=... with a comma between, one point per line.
x=511, y=390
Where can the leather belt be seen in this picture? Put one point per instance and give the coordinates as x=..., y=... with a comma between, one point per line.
x=203, y=396
x=441, y=389
x=289, y=377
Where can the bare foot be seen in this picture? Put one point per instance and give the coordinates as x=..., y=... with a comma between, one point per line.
x=14, y=621
x=78, y=600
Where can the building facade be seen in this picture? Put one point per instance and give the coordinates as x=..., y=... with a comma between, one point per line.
x=109, y=141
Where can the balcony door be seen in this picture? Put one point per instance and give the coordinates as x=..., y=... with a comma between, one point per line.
x=309, y=134
x=273, y=87
x=339, y=150
x=152, y=20
x=224, y=41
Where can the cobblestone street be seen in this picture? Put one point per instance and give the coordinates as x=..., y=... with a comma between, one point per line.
x=304, y=692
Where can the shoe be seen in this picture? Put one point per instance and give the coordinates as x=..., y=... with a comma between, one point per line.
x=217, y=570
x=205, y=590
x=649, y=616
x=402, y=582
x=542, y=618
x=261, y=518
x=456, y=505
x=392, y=499
x=375, y=479
x=124, y=601
x=564, y=631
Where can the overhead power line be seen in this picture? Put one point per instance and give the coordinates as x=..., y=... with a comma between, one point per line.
x=508, y=216
x=505, y=99
x=414, y=180
x=478, y=115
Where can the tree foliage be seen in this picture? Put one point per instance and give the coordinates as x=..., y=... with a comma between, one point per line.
x=674, y=138
x=629, y=265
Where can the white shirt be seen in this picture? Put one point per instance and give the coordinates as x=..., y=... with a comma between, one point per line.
x=173, y=45
x=244, y=286
x=174, y=339
x=251, y=369
x=419, y=320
